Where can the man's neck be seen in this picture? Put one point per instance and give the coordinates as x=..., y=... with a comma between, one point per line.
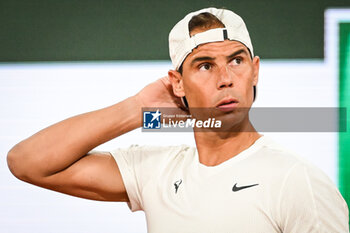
x=215, y=148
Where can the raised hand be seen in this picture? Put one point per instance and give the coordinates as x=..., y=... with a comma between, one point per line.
x=159, y=94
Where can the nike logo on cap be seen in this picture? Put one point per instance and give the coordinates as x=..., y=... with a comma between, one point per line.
x=235, y=188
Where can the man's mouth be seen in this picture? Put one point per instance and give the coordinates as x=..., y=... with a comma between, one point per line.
x=227, y=104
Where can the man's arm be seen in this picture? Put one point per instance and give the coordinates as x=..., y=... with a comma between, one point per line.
x=57, y=157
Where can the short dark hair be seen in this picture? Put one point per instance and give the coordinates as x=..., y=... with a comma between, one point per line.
x=204, y=21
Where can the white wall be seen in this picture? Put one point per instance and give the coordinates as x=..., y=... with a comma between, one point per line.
x=33, y=96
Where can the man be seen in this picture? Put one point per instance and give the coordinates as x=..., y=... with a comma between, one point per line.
x=235, y=180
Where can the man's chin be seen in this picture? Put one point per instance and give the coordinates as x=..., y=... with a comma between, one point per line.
x=232, y=121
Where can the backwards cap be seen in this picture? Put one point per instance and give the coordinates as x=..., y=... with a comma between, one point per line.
x=181, y=43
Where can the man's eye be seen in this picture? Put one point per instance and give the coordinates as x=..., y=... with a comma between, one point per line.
x=205, y=66
x=237, y=61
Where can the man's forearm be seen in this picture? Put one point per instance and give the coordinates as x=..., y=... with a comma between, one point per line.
x=57, y=147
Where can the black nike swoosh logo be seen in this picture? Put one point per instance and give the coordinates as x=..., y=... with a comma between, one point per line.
x=235, y=188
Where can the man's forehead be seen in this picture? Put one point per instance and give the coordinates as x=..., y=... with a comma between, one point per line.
x=213, y=49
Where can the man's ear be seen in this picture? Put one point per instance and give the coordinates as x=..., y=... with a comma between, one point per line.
x=176, y=81
x=256, y=66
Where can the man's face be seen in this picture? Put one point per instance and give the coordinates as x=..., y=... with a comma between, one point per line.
x=220, y=75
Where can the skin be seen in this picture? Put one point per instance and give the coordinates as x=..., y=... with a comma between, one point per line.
x=58, y=157
x=212, y=72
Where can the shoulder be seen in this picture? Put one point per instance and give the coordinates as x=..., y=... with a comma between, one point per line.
x=305, y=194
x=148, y=153
x=274, y=154
x=306, y=198
x=284, y=165
x=297, y=173
x=150, y=150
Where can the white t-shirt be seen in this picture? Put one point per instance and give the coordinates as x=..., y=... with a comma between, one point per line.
x=264, y=189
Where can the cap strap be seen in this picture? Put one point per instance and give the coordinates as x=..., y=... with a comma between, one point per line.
x=212, y=35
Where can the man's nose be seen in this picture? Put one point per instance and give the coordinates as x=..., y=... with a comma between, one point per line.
x=225, y=78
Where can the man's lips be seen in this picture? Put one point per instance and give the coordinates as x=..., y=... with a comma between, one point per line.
x=227, y=104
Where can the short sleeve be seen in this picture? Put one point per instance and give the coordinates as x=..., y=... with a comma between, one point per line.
x=125, y=158
x=138, y=166
x=309, y=202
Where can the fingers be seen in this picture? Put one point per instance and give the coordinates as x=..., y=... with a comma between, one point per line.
x=166, y=81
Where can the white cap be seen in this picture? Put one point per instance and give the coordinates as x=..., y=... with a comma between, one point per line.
x=181, y=44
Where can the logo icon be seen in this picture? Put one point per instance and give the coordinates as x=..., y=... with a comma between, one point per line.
x=151, y=120
x=236, y=188
x=177, y=185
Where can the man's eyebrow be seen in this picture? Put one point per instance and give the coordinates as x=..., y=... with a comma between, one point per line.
x=212, y=58
x=201, y=59
x=236, y=53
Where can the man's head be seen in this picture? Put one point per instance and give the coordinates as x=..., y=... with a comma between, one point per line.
x=181, y=41
x=213, y=59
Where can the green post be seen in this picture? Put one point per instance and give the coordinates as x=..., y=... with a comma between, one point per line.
x=344, y=101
